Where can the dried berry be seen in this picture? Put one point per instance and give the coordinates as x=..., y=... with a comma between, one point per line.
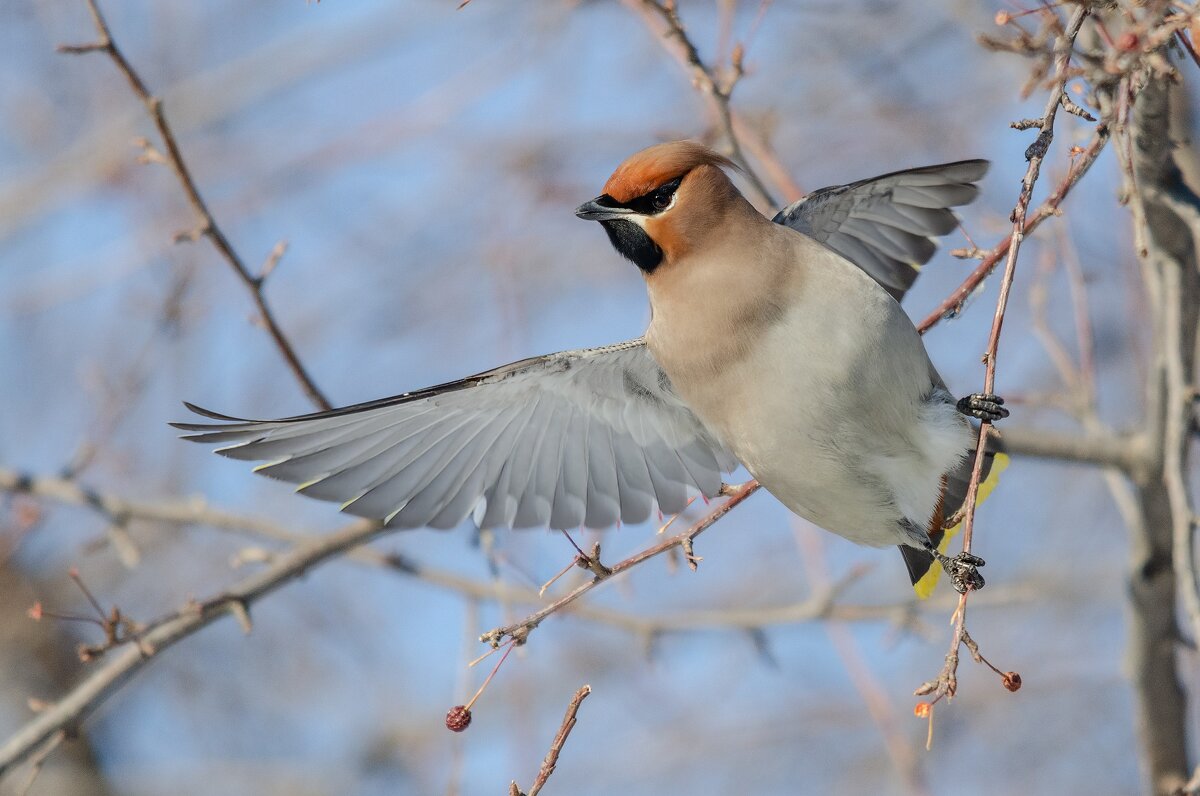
x=1011, y=680
x=922, y=709
x=459, y=718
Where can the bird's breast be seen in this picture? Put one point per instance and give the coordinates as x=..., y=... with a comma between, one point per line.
x=824, y=404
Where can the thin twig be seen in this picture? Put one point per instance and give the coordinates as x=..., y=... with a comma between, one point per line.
x=520, y=631
x=1173, y=395
x=38, y=760
x=117, y=509
x=714, y=87
x=953, y=303
x=946, y=683
x=560, y=738
x=121, y=664
x=206, y=225
x=1179, y=399
x=811, y=546
x=197, y=512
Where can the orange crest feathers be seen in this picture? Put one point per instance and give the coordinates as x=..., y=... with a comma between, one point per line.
x=644, y=171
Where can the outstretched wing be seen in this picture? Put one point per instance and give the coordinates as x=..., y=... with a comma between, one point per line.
x=575, y=438
x=884, y=225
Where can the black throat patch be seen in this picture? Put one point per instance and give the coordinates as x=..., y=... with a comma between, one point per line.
x=633, y=243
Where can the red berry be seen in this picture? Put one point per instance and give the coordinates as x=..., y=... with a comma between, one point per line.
x=459, y=718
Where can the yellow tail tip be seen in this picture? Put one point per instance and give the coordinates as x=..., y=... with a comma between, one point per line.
x=929, y=581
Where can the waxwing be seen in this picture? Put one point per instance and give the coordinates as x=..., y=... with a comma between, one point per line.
x=777, y=344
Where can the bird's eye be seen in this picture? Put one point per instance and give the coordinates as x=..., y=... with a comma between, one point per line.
x=657, y=200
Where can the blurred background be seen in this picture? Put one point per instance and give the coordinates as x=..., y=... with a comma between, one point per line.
x=423, y=164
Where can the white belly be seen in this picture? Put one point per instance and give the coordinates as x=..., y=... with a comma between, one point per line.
x=829, y=411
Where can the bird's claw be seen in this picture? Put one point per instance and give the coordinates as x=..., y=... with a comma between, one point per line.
x=963, y=571
x=983, y=406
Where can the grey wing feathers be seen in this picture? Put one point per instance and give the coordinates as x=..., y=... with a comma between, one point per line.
x=586, y=437
x=884, y=225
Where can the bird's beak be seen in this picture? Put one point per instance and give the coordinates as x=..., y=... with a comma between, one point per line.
x=599, y=210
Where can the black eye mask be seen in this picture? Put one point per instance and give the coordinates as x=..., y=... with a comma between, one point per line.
x=648, y=204
x=657, y=200
x=629, y=238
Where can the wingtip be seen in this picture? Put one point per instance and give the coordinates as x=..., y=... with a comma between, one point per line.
x=195, y=431
x=984, y=166
x=200, y=410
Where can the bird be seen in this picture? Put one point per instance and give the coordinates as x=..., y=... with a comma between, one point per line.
x=777, y=344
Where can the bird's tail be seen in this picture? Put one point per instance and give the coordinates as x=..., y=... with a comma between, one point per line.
x=921, y=568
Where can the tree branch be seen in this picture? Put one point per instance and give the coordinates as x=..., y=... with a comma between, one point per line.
x=519, y=631
x=560, y=739
x=197, y=512
x=947, y=681
x=122, y=663
x=953, y=304
x=119, y=510
x=1126, y=452
x=716, y=89
x=1162, y=553
x=206, y=224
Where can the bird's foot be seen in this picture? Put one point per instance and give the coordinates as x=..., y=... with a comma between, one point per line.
x=983, y=406
x=962, y=569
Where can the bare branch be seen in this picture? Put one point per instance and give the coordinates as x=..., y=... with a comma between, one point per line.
x=1080, y=165
x=1162, y=553
x=560, y=739
x=197, y=512
x=946, y=682
x=520, y=631
x=1179, y=398
x=119, y=510
x=123, y=663
x=716, y=88
x=1127, y=452
x=38, y=759
x=206, y=224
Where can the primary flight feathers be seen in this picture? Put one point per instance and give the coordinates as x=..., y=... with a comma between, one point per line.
x=884, y=224
x=575, y=438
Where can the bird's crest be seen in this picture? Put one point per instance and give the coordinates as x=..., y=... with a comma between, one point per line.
x=644, y=171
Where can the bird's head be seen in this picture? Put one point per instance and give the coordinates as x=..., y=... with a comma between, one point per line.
x=662, y=202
